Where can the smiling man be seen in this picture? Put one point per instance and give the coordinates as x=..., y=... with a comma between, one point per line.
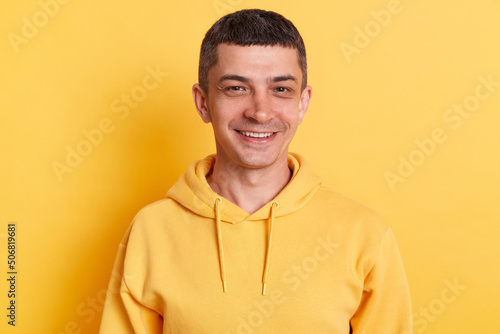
x=248, y=240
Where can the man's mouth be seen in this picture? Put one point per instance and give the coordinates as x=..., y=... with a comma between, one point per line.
x=256, y=134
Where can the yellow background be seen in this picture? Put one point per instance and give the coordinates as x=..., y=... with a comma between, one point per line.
x=367, y=111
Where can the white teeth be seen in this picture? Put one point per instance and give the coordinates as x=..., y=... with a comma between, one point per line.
x=255, y=134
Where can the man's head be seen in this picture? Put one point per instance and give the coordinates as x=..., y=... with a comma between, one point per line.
x=253, y=69
x=250, y=27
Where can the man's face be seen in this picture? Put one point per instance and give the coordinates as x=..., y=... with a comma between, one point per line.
x=254, y=103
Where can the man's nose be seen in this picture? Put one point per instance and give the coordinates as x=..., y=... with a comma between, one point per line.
x=260, y=107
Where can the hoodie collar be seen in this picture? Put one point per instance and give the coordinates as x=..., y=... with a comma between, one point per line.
x=194, y=193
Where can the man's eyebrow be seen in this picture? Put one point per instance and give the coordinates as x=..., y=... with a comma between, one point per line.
x=283, y=78
x=234, y=77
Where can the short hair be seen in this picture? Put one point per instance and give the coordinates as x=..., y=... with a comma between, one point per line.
x=250, y=27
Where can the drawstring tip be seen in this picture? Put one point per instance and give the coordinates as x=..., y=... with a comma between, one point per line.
x=224, y=289
x=264, y=289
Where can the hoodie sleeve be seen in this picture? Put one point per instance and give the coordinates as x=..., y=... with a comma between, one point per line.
x=122, y=312
x=385, y=306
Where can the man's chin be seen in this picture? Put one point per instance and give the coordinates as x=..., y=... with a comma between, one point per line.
x=259, y=161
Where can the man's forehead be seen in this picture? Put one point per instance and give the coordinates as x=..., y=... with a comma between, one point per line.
x=239, y=56
x=225, y=47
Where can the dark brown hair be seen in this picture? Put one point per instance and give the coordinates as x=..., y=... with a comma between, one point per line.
x=250, y=27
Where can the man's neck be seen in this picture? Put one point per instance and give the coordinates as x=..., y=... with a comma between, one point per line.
x=249, y=188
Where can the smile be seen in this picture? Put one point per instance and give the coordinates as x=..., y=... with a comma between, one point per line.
x=256, y=134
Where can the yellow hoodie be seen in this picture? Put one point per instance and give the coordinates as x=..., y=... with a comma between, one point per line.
x=330, y=264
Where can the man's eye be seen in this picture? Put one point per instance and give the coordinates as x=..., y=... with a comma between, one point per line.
x=235, y=88
x=281, y=89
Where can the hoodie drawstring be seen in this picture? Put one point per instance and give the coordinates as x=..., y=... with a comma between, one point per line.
x=265, y=276
x=218, y=201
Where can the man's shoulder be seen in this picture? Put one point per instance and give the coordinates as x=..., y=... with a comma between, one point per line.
x=151, y=218
x=348, y=210
x=157, y=208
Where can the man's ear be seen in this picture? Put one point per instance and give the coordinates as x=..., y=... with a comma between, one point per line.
x=201, y=103
x=305, y=98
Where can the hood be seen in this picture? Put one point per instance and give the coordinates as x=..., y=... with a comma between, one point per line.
x=193, y=192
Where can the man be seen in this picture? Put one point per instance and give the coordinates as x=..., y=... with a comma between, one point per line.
x=247, y=240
